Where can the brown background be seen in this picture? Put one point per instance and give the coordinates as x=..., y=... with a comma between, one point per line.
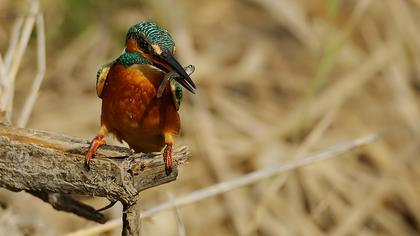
x=276, y=80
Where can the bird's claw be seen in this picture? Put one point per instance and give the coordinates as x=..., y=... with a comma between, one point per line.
x=87, y=164
x=168, y=170
x=167, y=158
x=94, y=145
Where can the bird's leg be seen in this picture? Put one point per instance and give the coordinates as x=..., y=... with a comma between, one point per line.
x=167, y=153
x=96, y=142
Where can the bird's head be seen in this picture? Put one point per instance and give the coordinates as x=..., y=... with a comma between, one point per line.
x=155, y=44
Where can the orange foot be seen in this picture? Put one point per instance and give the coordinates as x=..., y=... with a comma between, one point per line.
x=98, y=141
x=167, y=158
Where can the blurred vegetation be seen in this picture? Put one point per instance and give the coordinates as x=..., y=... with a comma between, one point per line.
x=277, y=80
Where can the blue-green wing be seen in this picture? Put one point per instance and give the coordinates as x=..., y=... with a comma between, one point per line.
x=176, y=90
x=101, y=78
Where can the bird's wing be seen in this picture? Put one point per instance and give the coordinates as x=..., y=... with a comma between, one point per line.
x=176, y=90
x=101, y=78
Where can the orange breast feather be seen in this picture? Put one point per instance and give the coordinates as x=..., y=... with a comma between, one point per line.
x=131, y=110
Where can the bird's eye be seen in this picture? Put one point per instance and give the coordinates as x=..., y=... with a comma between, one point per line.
x=143, y=44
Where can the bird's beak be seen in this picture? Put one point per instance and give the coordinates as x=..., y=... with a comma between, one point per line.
x=173, y=65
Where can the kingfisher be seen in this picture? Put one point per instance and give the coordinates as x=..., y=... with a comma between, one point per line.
x=138, y=106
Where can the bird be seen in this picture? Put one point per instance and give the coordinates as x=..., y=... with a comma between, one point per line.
x=132, y=107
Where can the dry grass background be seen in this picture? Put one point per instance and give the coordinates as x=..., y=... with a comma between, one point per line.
x=277, y=80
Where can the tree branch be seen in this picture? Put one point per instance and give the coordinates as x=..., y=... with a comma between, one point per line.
x=66, y=203
x=131, y=220
x=50, y=165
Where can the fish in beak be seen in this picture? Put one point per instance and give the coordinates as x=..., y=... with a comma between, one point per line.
x=171, y=64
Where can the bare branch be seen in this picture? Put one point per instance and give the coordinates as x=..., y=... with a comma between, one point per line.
x=259, y=175
x=14, y=38
x=66, y=203
x=33, y=95
x=131, y=219
x=180, y=224
x=235, y=183
x=5, y=66
x=18, y=55
x=37, y=161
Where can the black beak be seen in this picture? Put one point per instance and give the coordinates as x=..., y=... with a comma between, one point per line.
x=184, y=79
